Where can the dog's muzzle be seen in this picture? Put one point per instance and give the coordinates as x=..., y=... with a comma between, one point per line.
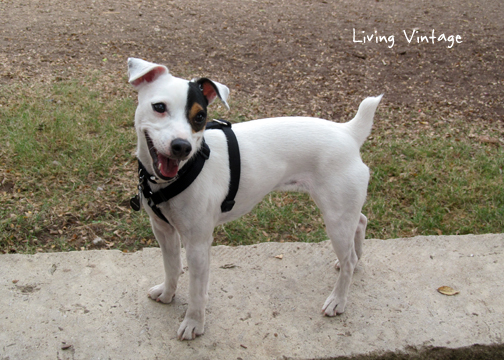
x=166, y=167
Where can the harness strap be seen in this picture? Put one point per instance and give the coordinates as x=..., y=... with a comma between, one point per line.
x=189, y=173
x=145, y=190
x=234, y=162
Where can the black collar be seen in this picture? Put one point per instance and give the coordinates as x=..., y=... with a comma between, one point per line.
x=189, y=173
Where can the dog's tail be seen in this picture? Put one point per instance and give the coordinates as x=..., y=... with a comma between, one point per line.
x=360, y=126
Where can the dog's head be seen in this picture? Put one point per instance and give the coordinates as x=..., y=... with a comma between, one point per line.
x=171, y=115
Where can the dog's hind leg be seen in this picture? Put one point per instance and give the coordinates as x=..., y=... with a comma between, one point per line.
x=341, y=230
x=360, y=234
x=341, y=206
x=169, y=241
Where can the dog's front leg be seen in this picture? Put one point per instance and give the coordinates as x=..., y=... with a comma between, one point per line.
x=198, y=260
x=169, y=241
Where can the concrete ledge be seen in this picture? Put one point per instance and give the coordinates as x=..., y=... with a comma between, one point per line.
x=93, y=304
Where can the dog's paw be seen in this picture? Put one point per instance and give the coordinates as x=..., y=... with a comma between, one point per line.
x=189, y=329
x=160, y=294
x=333, y=306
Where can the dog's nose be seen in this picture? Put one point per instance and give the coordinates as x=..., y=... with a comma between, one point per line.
x=180, y=148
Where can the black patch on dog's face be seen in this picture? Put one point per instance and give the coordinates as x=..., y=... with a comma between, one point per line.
x=196, y=108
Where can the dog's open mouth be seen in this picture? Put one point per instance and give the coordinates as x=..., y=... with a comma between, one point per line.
x=165, y=167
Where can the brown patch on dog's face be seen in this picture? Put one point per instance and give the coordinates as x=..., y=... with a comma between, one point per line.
x=195, y=109
x=197, y=117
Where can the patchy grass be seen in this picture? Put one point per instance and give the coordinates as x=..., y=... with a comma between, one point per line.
x=67, y=171
x=434, y=186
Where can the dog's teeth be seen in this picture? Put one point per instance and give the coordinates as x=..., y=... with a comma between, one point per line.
x=159, y=166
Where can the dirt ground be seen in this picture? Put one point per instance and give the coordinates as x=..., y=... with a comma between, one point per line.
x=278, y=57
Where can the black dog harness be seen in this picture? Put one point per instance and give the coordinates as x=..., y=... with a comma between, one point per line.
x=189, y=173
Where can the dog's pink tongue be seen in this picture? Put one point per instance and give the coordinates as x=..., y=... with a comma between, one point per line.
x=167, y=167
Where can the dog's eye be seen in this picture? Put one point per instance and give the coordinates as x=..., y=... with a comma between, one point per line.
x=159, y=107
x=200, y=118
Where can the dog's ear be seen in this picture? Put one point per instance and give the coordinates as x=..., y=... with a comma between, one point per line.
x=140, y=70
x=213, y=89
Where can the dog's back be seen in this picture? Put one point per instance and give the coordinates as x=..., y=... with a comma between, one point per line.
x=297, y=154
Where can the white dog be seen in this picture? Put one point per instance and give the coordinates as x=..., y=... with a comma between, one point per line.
x=290, y=153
